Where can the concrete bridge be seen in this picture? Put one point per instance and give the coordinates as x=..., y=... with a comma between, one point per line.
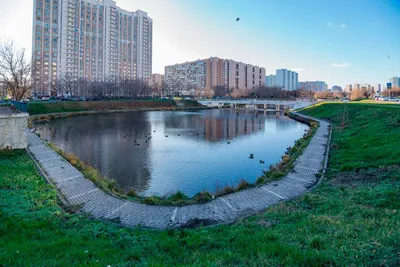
x=256, y=105
x=262, y=107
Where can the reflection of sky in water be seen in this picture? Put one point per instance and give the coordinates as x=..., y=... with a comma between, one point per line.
x=195, y=156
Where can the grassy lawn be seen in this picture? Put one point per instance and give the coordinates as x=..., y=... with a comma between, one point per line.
x=351, y=219
x=364, y=136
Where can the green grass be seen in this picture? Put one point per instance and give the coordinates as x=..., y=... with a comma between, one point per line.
x=74, y=106
x=369, y=139
x=191, y=103
x=352, y=219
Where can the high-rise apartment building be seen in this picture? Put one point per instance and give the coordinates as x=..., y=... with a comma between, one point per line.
x=93, y=40
x=364, y=87
x=270, y=80
x=287, y=79
x=356, y=86
x=337, y=88
x=395, y=81
x=201, y=75
x=315, y=86
x=367, y=87
x=349, y=88
x=156, y=80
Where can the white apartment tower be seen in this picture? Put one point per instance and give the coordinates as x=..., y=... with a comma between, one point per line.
x=270, y=80
x=287, y=79
x=395, y=81
x=94, y=40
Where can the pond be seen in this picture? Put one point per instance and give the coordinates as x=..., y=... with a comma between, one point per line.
x=162, y=152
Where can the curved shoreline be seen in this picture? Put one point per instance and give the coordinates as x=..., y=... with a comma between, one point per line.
x=75, y=189
x=178, y=199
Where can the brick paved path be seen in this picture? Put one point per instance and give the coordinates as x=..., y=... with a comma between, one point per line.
x=75, y=189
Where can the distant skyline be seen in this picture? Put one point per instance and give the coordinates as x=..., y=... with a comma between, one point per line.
x=337, y=41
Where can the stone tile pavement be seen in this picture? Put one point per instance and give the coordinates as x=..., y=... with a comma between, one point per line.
x=75, y=189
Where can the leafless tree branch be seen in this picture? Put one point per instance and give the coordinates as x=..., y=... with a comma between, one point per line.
x=15, y=70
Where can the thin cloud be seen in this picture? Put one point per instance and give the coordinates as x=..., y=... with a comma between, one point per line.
x=333, y=25
x=340, y=65
x=298, y=69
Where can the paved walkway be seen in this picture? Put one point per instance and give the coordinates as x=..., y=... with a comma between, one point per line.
x=75, y=189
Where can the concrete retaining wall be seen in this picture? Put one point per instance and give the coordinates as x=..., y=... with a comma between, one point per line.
x=13, y=126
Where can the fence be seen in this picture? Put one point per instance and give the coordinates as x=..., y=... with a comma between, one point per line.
x=21, y=106
x=5, y=103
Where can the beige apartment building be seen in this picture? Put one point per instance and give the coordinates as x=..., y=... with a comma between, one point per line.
x=93, y=40
x=197, y=77
x=156, y=80
x=156, y=84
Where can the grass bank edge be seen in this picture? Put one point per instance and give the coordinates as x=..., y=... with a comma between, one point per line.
x=276, y=172
x=61, y=107
x=41, y=108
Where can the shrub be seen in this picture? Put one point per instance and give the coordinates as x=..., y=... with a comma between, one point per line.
x=131, y=193
x=261, y=180
x=225, y=191
x=178, y=197
x=151, y=200
x=285, y=158
x=203, y=197
x=243, y=185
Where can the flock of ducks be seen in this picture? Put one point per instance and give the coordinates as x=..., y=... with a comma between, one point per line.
x=148, y=138
x=252, y=157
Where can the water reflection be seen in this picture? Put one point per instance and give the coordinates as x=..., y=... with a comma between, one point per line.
x=216, y=125
x=163, y=152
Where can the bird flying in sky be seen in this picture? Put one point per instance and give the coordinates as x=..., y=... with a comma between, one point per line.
x=237, y=19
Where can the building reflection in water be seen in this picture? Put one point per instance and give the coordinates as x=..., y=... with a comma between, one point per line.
x=218, y=125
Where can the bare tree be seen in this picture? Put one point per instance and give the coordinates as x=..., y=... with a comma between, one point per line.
x=304, y=93
x=323, y=95
x=220, y=90
x=338, y=95
x=3, y=91
x=175, y=87
x=272, y=92
x=209, y=93
x=238, y=93
x=15, y=70
x=358, y=94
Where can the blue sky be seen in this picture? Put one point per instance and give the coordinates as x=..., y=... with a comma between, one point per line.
x=338, y=41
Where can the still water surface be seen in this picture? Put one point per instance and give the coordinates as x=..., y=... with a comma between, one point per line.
x=159, y=153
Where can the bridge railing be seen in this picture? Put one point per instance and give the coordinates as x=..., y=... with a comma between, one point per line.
x=5, y=103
